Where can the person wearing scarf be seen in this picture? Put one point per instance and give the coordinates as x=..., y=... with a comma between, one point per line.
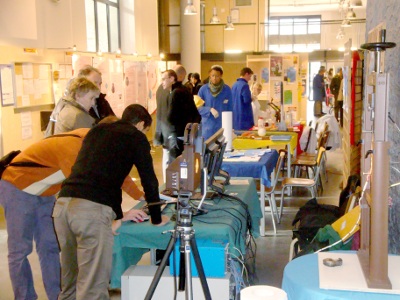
x=217, y=98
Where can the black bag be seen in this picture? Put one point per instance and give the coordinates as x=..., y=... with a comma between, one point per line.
x=7, y=159
x=311, y=217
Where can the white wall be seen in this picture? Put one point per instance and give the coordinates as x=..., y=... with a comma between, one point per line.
x=43, y=23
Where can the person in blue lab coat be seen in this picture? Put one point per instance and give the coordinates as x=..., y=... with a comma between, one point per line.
x=241, y=95
x=217, y=98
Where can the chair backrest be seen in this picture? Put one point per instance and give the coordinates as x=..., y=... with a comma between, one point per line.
x=353, y=199
x=320, y=158
x=323, y=139
x=348, y=224
x=278, y=167
x=283, y=153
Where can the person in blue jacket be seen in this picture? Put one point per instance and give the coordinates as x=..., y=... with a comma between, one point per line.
x=217, y=98
x=242, y=110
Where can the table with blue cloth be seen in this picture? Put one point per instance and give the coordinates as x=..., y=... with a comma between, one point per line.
x=260, y=169
x=226, y=220
x=301, y=282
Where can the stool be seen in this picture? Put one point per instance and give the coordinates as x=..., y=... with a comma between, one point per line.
x=262, y=292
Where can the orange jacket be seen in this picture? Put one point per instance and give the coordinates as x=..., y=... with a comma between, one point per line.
x=58, y=154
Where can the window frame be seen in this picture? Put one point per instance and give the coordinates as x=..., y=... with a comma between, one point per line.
x=108, y=4
x=276, y=24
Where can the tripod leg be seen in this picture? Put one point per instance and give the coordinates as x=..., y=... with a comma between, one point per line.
x=200, y=270
x=181, y=286
x=161, y=268
x=188, y=269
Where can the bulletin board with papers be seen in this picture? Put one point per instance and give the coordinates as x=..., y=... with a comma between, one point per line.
x=33, y=84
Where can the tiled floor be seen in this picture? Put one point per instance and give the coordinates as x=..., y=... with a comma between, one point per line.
x=272, y=251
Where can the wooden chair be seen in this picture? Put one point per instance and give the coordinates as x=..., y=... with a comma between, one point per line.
x=308, y=161
x=310, y=184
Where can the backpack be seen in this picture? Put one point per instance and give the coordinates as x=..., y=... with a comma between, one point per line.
x=311, y=217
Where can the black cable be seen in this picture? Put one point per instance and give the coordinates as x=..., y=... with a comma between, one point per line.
x=249, y=223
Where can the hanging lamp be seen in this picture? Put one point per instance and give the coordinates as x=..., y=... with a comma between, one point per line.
x=215, y=19
x=190, y=10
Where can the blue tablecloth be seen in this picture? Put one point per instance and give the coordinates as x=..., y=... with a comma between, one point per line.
x=225, y=220
x=260, y=169
x=301, y=282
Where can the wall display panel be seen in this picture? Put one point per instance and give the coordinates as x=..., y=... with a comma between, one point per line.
x=112, y=82
x=62, y=75
x=7, y=94
x=33, y=84
x=135, y=83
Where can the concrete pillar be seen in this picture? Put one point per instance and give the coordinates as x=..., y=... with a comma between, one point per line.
x=190, y=39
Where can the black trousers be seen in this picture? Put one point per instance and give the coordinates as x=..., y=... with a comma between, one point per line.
x=339, y=112
x=317, y=108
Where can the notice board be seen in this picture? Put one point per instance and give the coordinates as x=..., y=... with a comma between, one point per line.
x=33, y=84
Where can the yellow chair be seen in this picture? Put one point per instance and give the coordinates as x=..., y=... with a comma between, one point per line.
x=345, y=226
x=310, y=184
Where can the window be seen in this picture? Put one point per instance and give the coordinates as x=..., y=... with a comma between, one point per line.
x=300, y=34
x=102, y=25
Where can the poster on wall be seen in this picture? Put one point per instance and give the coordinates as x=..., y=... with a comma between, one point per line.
x=276, y=66
x=260, y=68
x=78, y=62
x=290, y=68
x=115, y=92
x=303, y=87
x=276, y=92
x=287, y=97
x=135, y=83
x=152, y=83
x=112, y=80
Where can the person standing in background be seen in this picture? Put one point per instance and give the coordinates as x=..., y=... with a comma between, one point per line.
x=257, y=112
x=182, y=111
x=319, y=92
x=241, y=101
x=329, y=76
x=196, y=82
x=340, y=103
x=217, y=98
x=188, y=84
x=74, y=109
x=335, y=87
x=101, y=108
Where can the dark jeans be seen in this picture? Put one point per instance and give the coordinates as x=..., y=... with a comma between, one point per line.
x=339, y=112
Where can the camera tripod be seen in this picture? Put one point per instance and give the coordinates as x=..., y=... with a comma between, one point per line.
x=184, y=231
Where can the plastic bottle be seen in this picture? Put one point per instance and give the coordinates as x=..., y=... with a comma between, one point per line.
x=260, y=123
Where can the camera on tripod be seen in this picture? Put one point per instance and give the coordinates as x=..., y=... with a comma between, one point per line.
x=200, y=162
